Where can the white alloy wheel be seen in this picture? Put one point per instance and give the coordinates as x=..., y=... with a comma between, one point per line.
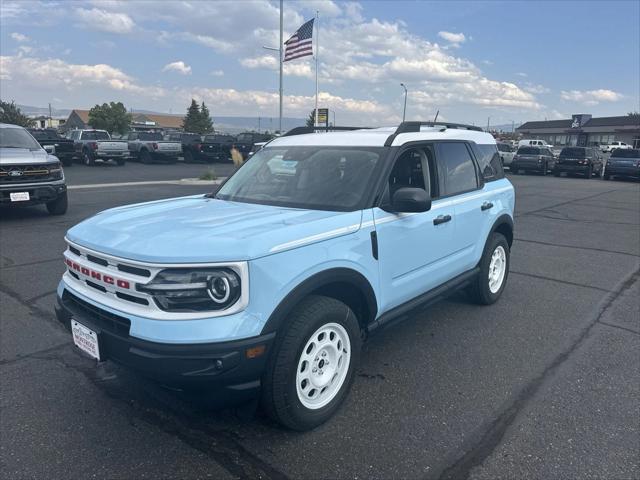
x=497, y=269
x=323, y=366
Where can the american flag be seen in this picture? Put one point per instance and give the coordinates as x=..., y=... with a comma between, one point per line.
x=301, y=42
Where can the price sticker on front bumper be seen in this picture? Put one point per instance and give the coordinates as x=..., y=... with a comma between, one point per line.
x=19, y=196
x=85, y=339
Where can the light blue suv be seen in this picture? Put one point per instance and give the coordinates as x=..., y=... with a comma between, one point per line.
x=270, y=285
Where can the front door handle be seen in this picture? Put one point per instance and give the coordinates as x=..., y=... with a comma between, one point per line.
x=441, y=219
x=486, y=206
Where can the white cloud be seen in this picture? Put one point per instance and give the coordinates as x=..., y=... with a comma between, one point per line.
x=536, y=89
x=56, y=73
x=97, y=19
x=522, y=74
x=217, y=73
x=178, y=67
x=591, y=97
x=452, y=37
x=19, y=37
x=269, y=62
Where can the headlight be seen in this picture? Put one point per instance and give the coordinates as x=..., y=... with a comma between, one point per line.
x=56, y=171
x=188, y=290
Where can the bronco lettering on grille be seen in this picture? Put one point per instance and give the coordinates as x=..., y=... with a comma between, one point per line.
x=108, y=279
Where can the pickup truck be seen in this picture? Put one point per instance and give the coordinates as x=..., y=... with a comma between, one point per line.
x=216, y=147
x=615, y=145
x=244, y=141
x=54, y=144
x=28, y=174
x=92, y=145
x=191, y=144
x=148, y=147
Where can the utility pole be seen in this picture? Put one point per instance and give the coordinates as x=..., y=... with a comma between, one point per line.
x=258, y=124
x=488, y=120
x=404, y=110
x=280, y=57
x=49, y=115
x=436, y=117
x=317, y=28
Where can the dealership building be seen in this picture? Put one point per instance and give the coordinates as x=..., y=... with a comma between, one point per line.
x=585, y=130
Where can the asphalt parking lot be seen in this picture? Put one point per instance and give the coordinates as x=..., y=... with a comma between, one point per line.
x=543, y=384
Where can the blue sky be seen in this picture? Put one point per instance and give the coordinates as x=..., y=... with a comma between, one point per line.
x=471, y=60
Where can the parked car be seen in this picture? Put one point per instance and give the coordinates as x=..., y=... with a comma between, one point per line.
x=533, y=159
x=245, y=141
x=506, y=153
x=28, y=174
x=623, y=163
x=610, y=147
x=148, y=147
x=92, y=145
x=256, y=146
x=534, y=143
x=216, y=147
x=191, y=145
x=586, y=161
x=55, y=144
x=268, y=286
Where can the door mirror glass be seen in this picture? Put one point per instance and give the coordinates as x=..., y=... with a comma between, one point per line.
x=49, y=149
x=410, y=200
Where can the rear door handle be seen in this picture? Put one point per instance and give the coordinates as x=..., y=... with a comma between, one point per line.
x=486, y=206
x=441, y=219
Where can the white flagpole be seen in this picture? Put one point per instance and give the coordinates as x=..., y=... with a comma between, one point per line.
x=281, y=58
x=317, y=26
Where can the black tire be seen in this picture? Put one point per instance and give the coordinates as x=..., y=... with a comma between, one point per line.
x=606, y=176
x=67, y=162
x=589, y=172
x=280, y=398
x=188, y=156
x=59, y=205
x=479, y=289
x=556, y=173
x=87, y=159
x=145, y=157
x=545, y=168
x=120, y=161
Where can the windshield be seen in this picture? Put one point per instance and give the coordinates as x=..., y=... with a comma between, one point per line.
x=218, y=138
x=528, y=151
x=503, y=147
x=150, y=136
x=95, y=135
x=17, y=138
x=619, y=153
x=574, y=152
x=321, y=178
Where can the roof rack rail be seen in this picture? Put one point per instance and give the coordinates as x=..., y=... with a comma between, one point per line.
x=407, y=127
x=304, y=130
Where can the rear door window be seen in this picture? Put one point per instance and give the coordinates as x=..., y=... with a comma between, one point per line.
x=456, y=170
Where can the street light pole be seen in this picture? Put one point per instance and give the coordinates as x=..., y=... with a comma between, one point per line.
x=404, y=110
x=280, y=58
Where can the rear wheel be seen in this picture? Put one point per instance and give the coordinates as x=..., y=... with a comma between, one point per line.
x=59, y=205
x=145, y=157
x=606, y=176
x=120, y=162
x=67, y=162
x=545, y=168
x=87, y=158
x=589, y=172
x=494, y=270
x=310, y=371
x=188, y=157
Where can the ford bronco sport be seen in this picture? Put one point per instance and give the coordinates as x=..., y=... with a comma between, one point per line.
x=269, y=285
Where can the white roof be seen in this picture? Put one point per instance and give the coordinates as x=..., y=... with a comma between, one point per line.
x=376, y=137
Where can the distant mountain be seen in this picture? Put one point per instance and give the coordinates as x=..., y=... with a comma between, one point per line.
x=220, y=123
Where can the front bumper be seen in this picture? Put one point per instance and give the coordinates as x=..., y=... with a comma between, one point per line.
x=38, y=192
x=230, y=367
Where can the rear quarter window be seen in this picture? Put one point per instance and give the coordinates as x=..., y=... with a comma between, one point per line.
x=489, y=162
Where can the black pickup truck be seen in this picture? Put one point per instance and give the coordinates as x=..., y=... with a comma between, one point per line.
x=210, y=148
x=244, y=141
x=55, y=144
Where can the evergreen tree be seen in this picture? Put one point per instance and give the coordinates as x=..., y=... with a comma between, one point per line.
x=192, y=120
x=311, y=120
x=10, y=113
x=206, y=124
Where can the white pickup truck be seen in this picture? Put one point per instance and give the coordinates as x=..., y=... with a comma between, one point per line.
x=92, y=145
x=615, y=145
x=148, y=147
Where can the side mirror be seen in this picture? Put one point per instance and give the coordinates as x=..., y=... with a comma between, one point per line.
x=50, y=149
x=411, y=200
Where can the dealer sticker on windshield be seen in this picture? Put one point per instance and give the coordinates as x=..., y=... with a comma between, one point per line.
x=19, y=196
x=85, y=339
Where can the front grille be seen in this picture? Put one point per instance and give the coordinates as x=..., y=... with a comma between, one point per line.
x=10, y=174
x=106, y=321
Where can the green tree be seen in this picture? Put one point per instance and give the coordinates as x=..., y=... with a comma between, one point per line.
x=311, y=119
x=112, y=117
x=634, y=115
x=10, y=113
x=192, y=119
x=206, y=124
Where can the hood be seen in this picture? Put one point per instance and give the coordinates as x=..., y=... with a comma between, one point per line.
x=24, y=156
x=197, y=229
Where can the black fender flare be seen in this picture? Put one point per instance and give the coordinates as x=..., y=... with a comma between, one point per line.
x=500, y=223
x=318, y=281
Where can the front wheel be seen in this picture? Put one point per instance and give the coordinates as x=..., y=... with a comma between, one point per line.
x=120, y=162
x=59, y=205
x=310, y=372
x=494, y=270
